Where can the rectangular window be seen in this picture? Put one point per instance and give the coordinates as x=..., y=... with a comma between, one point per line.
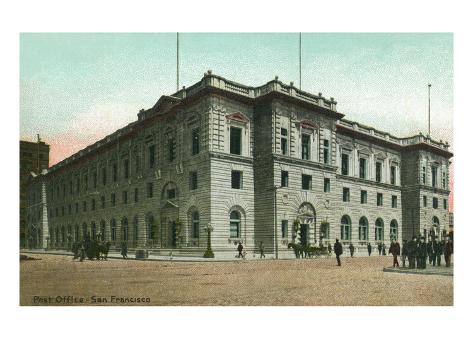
x=149, y=190
x=137, y=162
x=284, y=141
x=136, y=195
x=326, y=151
x=425, y=201
x=379, y=174
x=126, y=168
x=435, y=202
x=345, y=160
x=423, y=175
x=444, y=180
x=284, y=178
x=393, y=175
x=284, y=228
x=326, y=185
x=125, y=197
x=306, y=182
x=69, y=209
x=346, y=194
x=379, y=199
x=114, y=172
x=77, y=207
x=364, y=197
x=235, y=140
x=362, y=168
x=104, y=176
x=444, y=203
x=113, y=199
x=305, y=146
x=195, y=141
x=94, y=179
x=93, y=205
x=193, y=180
x=102, y=201
x=171, y=193
x=172, y=148
x=237, y=179
x=151, y=156
x=434, y=176
x=84, y=206
x=70, y=187
x=394, y=201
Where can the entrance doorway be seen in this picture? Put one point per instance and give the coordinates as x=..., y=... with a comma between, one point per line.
x=304, y=234
x=172, y=234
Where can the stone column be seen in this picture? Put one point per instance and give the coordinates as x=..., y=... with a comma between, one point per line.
x=44, y=219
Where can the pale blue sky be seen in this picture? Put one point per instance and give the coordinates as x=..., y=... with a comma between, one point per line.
x=77, y=88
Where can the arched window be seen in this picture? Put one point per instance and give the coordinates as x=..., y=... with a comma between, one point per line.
x=113, y=229
x=69, y=231
x=363, y=229
x=102, y=229
x=436, y=226
x=124, y=229
x=195, y=224
x=379, y=229
x=393, y=230
x=235, y=221
x=93, y=228
x=135, y=228
x=57, y=236
x=345, y=228
x=150, y=227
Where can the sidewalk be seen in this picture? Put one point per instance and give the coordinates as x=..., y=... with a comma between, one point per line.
x=430, y=270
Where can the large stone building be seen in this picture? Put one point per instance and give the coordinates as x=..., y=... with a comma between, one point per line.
x=269, y=163
x=34, y=157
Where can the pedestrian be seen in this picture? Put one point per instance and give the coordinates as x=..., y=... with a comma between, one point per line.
x=412, y=252
x=352, y=249
x=423, y=254
x=240, y=250
x=261, y=250
x=338, y=248
x=82, y=251
x=395, y=250
x=448, y=252
x=369, y=249
x=384, y=249
x=380, y=248
x=329, y=249
x=439, y=250
x=404, y=253
x=124, y=250
x=430, y=251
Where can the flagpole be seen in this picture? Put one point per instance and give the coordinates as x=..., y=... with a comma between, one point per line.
x=177, y=60
x=429, y=85
x=300, y=60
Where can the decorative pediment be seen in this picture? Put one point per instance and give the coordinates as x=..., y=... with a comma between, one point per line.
x=307, y=124
x=165, y=103
x=380, y=155
x=238, y=116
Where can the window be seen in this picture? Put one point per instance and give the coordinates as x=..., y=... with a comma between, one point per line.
x=235, y=140
x=444, y=204
x=150, y=227
x=149, y=189
x=364, y=197
x=423, y=175
x=94, y=179
x=125, y=229
x=363, y=229
x=93, y=205
x=237, y=180
x=284, y=228
x=379, y=229
x=379, y=174
x=78, y=185
x=444, y=180
x=434, y=176
x=393, y=175
x=362, y=168
x=77, y=207
x=425, y=201
x=171, y=193
x=306, y=182
x=126, y=168
x=84, y=206
x=435, y=202
x=195, y=225
x=113, y=229
x=284, y=178
x=305, y=146
x=125, y=197
x=114, y=172
x=326, y=185
x=137, y=162
x=195, y=141
x=193, y=180
x=104, y=176
x=136, y=195
x=151, y=156
x=345, y=228
x=394, y=201
x=346, y=194
x=102, y=202
x=379, y=199
x=345, y=160
x=326, y=151
x=284, y=141
x=235, y=225
x=69, y=209
x=393, y=230
x=113, y=199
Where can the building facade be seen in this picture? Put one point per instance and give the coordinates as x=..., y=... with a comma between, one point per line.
x=269, y=164
x=34, y=157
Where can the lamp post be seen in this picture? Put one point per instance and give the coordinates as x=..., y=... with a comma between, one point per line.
x=209, y=253
x=276, y=247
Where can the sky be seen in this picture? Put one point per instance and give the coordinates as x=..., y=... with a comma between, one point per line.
x=76, y=88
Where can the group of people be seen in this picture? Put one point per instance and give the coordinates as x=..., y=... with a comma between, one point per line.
x=417, y=251
x=90, y=247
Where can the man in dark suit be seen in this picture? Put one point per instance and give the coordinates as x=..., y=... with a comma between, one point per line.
x=338, y=248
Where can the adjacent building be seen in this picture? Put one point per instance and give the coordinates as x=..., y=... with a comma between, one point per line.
x=270, y=164
x=34, y=157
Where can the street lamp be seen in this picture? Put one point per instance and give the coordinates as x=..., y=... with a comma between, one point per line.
x=209, y=253
x=276, y=247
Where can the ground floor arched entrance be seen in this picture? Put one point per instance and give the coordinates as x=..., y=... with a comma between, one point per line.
x=305, y=224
